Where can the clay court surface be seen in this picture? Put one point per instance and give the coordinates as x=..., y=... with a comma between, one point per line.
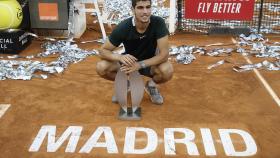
x=195, y=98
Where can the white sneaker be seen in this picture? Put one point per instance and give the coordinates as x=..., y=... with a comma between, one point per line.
x=153, y=92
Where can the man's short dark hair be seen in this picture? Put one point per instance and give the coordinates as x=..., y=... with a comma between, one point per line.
x=135, y=1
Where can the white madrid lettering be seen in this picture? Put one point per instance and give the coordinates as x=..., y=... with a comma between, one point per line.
x=151, y=141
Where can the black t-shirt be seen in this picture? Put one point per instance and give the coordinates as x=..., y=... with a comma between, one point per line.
x=140, y=45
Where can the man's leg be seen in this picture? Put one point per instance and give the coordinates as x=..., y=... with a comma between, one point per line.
x=107, y=69
x=161, y=73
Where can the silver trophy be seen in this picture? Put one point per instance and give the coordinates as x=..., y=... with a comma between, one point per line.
x=129, y=88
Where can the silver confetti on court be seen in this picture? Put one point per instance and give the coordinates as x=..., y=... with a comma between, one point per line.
x=184, y=54
x=255, y=45
x=26, y=70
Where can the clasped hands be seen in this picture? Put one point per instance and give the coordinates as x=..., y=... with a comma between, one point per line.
x=129, y=63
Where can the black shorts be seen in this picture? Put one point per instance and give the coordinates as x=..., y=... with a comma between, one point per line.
x=146, y=72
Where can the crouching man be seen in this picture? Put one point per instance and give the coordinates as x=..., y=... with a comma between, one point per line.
x=145, y=38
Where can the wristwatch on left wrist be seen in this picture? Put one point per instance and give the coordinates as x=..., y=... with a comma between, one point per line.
x=142, y=64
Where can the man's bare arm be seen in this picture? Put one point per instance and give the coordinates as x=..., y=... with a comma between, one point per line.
x=106, y=53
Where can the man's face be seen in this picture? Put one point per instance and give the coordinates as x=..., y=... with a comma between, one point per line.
x=142, y=11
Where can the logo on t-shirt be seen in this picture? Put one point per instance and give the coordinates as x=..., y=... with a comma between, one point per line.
x=141, y=37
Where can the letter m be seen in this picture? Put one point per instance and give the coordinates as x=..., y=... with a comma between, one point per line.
x=52, y=146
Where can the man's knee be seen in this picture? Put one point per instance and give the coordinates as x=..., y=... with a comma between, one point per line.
x=166, y=70
x=101, y=67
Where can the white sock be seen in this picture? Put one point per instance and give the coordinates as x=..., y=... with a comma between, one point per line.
x=151, y=83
